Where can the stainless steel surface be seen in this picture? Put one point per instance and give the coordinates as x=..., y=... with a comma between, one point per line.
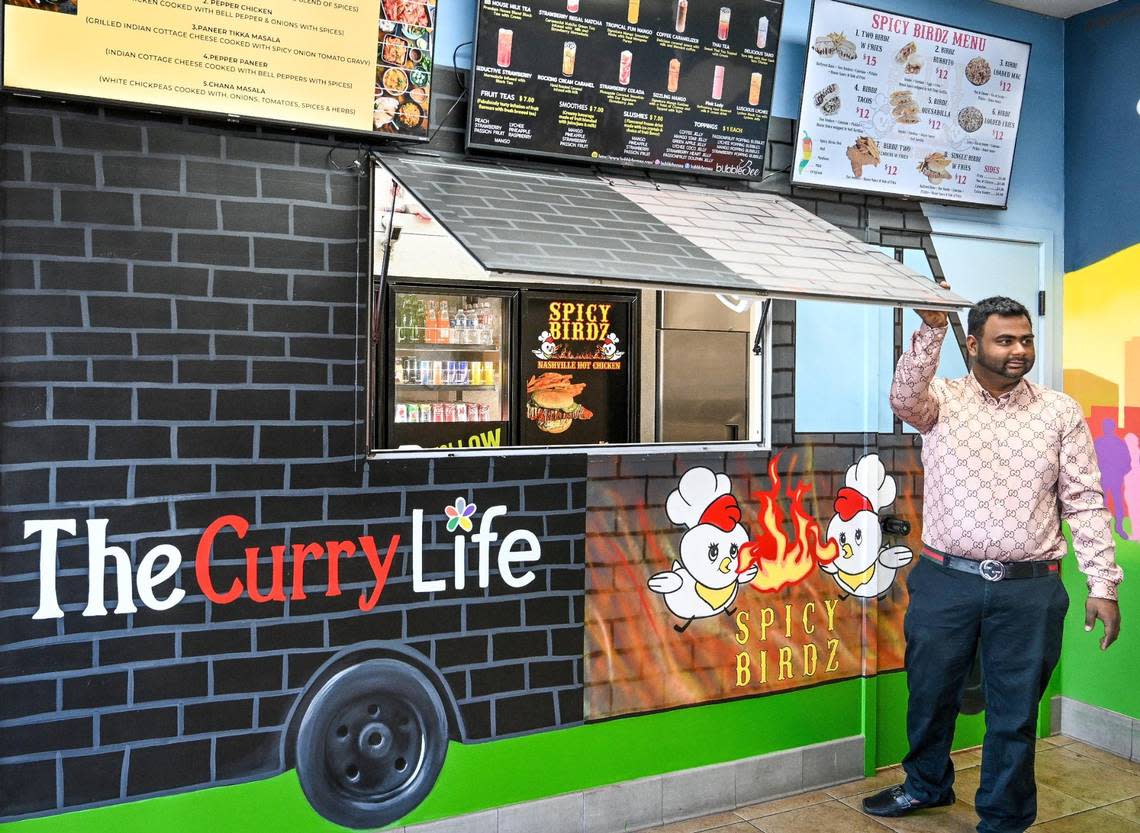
x=700, y=311
x=704, y=386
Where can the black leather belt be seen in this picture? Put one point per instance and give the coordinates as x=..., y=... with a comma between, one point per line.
x=992, y=570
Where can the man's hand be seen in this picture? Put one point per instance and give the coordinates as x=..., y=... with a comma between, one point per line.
x=935, y=318
x=1108, y=612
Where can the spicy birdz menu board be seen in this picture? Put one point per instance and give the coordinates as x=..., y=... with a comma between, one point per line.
x=349, y=65
x=677, y=84
x=896, y=105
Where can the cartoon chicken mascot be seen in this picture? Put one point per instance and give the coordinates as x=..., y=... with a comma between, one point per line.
x=610, y=349
x=705, y=581
x=547, y=346
x=865, y=567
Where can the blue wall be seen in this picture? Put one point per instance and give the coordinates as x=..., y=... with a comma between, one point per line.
x=1102, y=133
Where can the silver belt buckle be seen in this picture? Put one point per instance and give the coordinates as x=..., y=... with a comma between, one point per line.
x=992, y=570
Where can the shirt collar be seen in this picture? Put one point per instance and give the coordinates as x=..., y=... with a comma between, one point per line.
x=1023, y=392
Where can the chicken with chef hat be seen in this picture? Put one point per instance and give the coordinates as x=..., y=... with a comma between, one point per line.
x=610, y=348
x=705, y=581
x=866, y=567
x=547, y=346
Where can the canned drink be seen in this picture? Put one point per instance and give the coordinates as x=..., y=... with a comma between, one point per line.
x=722, y=23
x=506, y=40
x=485, y=412
x=463, y=372
x=438, y=412
x=682, y=15
x=674, y=74
x=401, y=412
x=449, y=412
x=425, y=372
x=569, y=53
x=461, y=412
x=450, y=373
x=625, y=67
x=754, y=89
x=413, y=412
x=411, y=372
x=437, y=372
x=399, y=372
x=718, y=82
x=476, y=373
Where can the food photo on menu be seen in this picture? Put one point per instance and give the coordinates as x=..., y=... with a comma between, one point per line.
x=62, y=6
x=899, y=105
x=404, y=50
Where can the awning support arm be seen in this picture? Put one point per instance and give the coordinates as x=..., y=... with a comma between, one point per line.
x=758, y=342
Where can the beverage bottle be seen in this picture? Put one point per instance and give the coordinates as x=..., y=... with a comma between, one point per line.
x=418, y=322
x=444, y=323
x=401, y=312
x=432, y=326
x=633, y=12
x=459, y=327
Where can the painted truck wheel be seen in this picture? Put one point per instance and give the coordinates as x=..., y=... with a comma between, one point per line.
x=371, y=743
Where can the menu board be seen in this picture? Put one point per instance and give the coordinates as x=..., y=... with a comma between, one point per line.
x=897, y=105
x=575, y=364
x=350, y=65
x=676, y=84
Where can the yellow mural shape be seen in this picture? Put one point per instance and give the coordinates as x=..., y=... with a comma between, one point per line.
x=1102, y=332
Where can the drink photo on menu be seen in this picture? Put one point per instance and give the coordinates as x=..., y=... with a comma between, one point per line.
x=665, y=84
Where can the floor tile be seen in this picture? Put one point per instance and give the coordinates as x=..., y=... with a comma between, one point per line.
x=879, y=781
x=781, y=805
x=1084, y=778
x=1054, y=740
x=1103, y=756
x=1129, y=809
x=956, y=818
x=831, y=815
x=1051, y=803
x=1099, y=820
x=967, y=758
x=719, y=822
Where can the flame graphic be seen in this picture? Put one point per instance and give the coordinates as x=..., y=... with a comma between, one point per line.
x=785, y=561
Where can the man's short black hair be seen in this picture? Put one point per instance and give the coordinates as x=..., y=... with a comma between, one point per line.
x=997, y=305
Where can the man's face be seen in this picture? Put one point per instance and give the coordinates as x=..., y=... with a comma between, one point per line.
x=1006, y=346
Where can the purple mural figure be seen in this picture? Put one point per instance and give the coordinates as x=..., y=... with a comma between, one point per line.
x=1132, y=484
x=1112, y=456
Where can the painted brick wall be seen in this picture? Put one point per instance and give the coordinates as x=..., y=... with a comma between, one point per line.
x=181, y=312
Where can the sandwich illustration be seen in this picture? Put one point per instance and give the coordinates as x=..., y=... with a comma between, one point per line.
x=551, y=404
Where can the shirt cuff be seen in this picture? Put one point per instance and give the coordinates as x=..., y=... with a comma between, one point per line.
x=1100, y=589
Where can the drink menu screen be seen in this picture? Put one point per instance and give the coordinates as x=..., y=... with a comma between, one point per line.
x=671, y=84
x=354, y=65
x=897, y=105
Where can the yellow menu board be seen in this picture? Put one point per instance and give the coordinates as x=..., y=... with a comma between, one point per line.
x=313, y=62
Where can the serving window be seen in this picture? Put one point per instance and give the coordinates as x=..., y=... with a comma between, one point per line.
x=523, y=308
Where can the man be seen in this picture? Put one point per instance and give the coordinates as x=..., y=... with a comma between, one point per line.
x=1005, y=461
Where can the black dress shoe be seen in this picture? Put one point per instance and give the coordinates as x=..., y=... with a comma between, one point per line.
x=896, y=801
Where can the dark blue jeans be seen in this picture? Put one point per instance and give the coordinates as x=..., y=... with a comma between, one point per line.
x=1017, y=624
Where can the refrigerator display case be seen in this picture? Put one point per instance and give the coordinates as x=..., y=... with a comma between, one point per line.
x=450, y=370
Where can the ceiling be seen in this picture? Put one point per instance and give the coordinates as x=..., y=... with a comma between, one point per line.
x=1056, y=8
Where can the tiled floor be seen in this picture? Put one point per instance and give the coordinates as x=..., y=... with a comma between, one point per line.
x=1080, y=789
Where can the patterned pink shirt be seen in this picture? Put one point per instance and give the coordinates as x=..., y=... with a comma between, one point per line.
x=1000, y=474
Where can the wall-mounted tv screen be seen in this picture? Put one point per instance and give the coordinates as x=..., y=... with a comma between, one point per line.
x=897, y=105
x=665, y=84
x=361, y=66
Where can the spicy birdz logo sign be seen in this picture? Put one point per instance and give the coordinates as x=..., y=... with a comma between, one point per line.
x=286, y=572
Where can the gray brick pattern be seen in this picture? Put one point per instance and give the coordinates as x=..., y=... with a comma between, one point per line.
x=546, y=222
x=181, y=337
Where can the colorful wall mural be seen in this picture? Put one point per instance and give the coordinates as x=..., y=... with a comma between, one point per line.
x=1102, y=319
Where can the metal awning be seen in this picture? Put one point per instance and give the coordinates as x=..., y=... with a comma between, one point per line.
x=624, y=232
